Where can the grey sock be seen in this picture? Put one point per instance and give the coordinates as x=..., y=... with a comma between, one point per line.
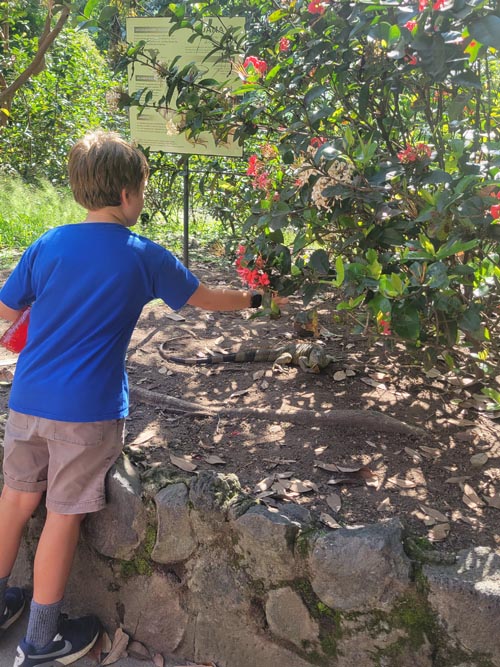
x=42, y=625
x=3, y=588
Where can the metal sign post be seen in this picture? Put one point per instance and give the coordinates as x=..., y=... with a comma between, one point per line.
x=185, y=174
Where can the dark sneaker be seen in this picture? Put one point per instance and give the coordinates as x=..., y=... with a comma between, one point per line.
x=15, y=601
x=74, y=639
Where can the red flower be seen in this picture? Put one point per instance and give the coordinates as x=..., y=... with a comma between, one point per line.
x=386, y=327
x=495, y=211
x=252, y=165
x=411, y=25
x=317, y=142
x=415, y=153
x=259, y=66
x=261, y=181
x=422, y=4
x=317, y=7
x=284, y=44
x=255, y=277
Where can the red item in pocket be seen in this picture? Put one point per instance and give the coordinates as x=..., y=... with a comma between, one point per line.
x=14, y=339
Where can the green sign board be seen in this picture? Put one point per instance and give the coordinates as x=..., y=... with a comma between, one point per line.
x=158, y=128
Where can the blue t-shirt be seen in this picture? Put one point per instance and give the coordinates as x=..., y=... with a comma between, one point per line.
x=87, y=284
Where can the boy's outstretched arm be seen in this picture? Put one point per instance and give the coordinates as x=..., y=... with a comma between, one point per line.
x=9, y=314
x=224, y=299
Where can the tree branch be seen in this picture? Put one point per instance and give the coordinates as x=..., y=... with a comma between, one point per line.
x=48, y=37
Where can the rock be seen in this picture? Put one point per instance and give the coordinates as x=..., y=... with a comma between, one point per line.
x=118, y=529
x=240, y=644
x=288, y=618
x=266, y=542
x=361, y=568
x=174, y=539
x=153, y=612
x=215, y=498
x=466, y=596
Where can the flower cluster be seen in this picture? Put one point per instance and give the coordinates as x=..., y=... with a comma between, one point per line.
x=317, y=7
x=411, y=25
x=423, y=4
x=284, y=44
x=415, y=153
x=256, y=168
x=495, y=209
x=254, y=277
x=338, y=172
x=254, y=65
x=384, y=324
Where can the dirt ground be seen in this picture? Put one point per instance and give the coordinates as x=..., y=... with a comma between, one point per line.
x=443, y=481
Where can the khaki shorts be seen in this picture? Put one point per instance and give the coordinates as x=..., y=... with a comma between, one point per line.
x=69, y=460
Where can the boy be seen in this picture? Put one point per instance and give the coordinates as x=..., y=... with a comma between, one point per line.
x=87, y=284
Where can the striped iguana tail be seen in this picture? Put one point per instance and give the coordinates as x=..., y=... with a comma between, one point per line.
x=242, y=356
x=311, y=357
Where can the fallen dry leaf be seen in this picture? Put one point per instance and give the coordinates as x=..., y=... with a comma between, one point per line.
x=402, y=483
x=299, y=486
x=118, y=648
x=143, y=437
x=106, y=643
x=213, y=460
x=493, y=501
x=329, y=521
x=434, y=514
x=352, y=475
x=384, y=505
x=334, y=502
x=430, y=452
x=338, y=376
x=470, y=497
x=456, y=480
x=413, y=454
x=439, y=532
x=183, y=462
x=330, y=467
x=373, y=383
x=479, y=460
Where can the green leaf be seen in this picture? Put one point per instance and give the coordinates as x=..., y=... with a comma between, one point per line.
x=406, y=322
x=277, y=15
x=339, y=268
x=471, y=320
x=487, y=31
x=454, y=247
x=319, y=262
x=317, y=91
x=107, y=13
x=89, y=8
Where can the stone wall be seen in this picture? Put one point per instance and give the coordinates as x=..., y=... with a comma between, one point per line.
x=194, y=568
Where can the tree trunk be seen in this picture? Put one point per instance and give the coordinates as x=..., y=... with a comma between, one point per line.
x=45, y=41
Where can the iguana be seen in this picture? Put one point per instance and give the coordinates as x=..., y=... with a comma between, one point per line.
x=311, y=357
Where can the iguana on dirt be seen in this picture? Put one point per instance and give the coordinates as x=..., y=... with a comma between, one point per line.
x=311, y=357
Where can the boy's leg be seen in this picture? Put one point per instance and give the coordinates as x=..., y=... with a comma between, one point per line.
x=53, y=560
x=54, y=556
x=16, y=507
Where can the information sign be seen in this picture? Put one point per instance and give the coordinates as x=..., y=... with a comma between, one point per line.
x=158, y=129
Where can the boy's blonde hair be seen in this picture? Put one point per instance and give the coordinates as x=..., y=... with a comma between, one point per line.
x=100, y=165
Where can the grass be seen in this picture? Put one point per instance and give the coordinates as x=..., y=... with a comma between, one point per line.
x=27, y=211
